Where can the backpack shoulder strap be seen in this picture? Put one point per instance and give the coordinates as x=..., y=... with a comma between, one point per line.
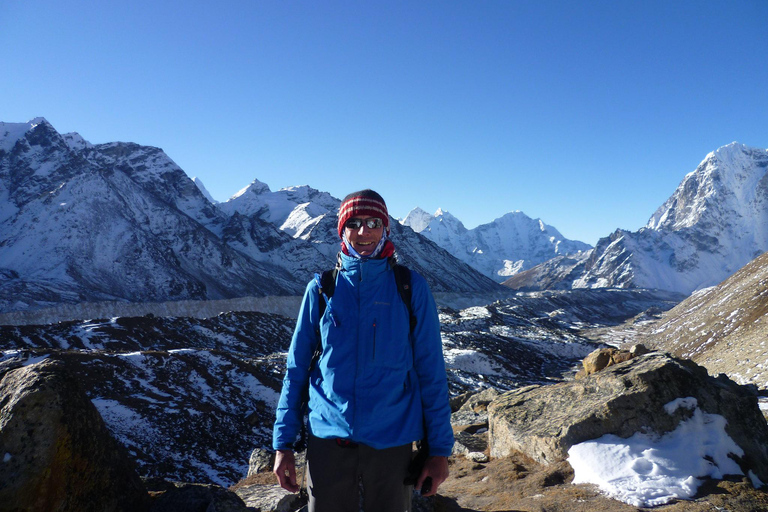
x=403, y=281
x=326, y=287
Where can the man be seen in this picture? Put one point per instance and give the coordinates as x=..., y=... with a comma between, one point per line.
x=378, y=385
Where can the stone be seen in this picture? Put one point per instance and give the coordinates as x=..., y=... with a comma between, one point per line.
x=639, y=350
x=268, y=497
x=478, y=402
x=598, y=360
x=477, y=457
x=466, y=443
x=57, y=453
x=261, y=461
x=473, y=413
x=467, y=418
x=474, y=428
x=620, y=356
x=543, y=422
x=459, y=400
x=186, y=497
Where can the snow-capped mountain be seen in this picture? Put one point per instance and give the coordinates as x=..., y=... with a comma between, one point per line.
x=712, y=225
x=83, y=222
x=203, y=190
x=499, y=249
x=116, y=221
x=310, y=215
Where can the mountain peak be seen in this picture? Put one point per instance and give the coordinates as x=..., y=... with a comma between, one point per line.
x=444, y=215
x=75, y=141
x=199, y=183
x=10, y=133
x=417, y=219
x=256, y=188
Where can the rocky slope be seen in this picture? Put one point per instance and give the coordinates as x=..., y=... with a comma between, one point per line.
x=190, y=398
x=723, y=328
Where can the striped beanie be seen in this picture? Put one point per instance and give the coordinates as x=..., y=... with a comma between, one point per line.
x=363, y=203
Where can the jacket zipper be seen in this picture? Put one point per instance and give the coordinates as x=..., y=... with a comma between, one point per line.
x=374, y=339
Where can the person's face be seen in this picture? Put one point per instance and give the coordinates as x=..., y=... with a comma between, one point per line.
x=362, y=238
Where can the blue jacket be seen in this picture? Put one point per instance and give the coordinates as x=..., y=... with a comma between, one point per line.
x=372, y=384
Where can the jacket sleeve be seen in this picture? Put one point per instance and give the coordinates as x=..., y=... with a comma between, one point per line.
x=289, y=414
x=430, y=369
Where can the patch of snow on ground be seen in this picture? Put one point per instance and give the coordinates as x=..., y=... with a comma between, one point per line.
x=475, y=312
x=470, y=361
x=121, y=419
x=18, y=354
x=647, y=470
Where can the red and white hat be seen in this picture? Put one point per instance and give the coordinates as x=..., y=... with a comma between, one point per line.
x=363, y=203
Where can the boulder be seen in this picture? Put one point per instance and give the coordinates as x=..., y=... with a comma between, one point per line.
x=56, y=451
x=473, y=413
x=479, y=402
x=186, y=497
x=597, y=360
x=261, y=461
x=470, y=425
x=459, y=400
x=543, y=422
x=269, y=498
x=466, y=443
x=604, y=357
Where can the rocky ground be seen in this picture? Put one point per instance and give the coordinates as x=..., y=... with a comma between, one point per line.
x=518, y=484
x=144, y=365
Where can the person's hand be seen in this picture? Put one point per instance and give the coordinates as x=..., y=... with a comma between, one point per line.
x=285, y=470
x=435, y=468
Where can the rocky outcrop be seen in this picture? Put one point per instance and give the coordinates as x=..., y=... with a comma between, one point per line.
x=186, y=497
x=605, y=357
x=470, y=424
x=57, y=454
x=543, y=422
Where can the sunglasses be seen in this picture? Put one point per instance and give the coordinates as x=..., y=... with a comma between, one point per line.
x=355, y=224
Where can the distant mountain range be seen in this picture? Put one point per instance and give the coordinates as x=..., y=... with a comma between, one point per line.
x=500, y=249
x=712, y=225
x=122, y=222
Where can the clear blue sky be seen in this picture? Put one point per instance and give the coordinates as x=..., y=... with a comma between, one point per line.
x=584, y=114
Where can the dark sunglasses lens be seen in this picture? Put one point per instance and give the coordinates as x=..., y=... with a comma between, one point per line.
x=354, y=223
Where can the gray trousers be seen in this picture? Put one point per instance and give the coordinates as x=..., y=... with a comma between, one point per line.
x=354, y=478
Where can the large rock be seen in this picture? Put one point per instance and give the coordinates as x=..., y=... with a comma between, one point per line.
x=56, y=452
x=184, y=497
x=545, y=421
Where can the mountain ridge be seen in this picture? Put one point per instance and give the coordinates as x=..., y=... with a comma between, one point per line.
x=118, y=221
x=502, y=248
x=714, y=223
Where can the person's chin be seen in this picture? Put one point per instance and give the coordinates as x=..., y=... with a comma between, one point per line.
x=365, y=250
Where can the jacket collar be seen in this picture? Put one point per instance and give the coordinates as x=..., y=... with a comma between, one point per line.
x=371, y=266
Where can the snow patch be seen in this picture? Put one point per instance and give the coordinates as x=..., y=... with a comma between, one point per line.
x=647, y=470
